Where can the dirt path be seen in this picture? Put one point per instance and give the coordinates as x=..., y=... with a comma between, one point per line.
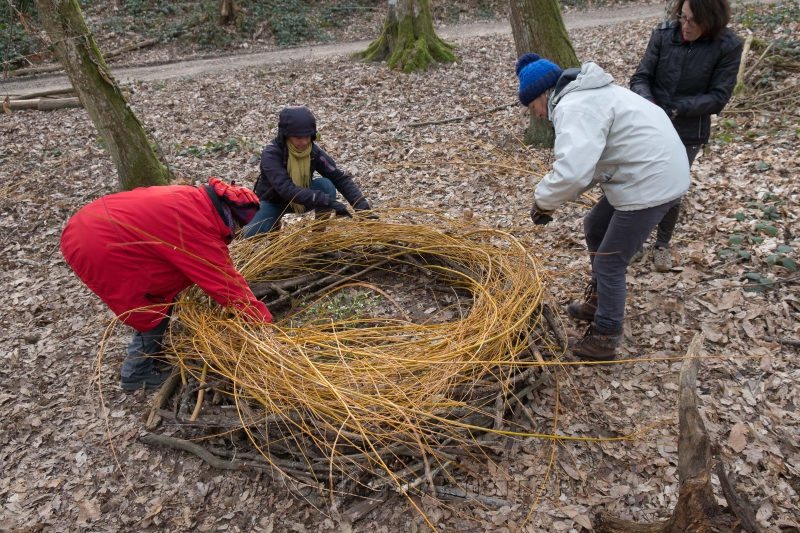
x=573, y=20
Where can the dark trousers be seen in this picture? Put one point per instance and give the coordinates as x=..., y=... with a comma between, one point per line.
x=613, y=237
x=142, y=347
x=667, y=225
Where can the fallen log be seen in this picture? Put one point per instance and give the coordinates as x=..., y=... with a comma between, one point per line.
x=16, y=105
x=50, y=92
x=46, y=104
x=130, y=47
x=42, y=104
x=57, y=92
x=697, y=509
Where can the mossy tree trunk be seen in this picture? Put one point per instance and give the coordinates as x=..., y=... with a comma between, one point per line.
x=538, y=27
x=136, y=162
x=408, y=40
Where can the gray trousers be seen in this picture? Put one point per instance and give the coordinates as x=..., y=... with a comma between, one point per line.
x=613, y=238
x=667, y=225
x=142, y=347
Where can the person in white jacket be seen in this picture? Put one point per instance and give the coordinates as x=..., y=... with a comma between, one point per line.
x=609, y=136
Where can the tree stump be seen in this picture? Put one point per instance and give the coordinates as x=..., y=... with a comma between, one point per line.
x=697, y=509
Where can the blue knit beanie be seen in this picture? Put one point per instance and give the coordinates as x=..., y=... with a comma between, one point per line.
x=536, y=76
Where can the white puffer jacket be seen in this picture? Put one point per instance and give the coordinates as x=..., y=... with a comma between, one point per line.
x=609, y=136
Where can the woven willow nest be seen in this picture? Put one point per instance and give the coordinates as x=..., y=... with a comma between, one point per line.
x=349, y=405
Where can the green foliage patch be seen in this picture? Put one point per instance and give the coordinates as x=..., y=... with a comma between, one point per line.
x=777, y=18
x=344, y=305
x=760, y=220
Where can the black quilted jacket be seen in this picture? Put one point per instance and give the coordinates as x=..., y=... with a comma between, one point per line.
x=693, y=78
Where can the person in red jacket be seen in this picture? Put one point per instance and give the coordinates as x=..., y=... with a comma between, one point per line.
x=138, y=249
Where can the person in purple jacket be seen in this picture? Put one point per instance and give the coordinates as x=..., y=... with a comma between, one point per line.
x=287, y=179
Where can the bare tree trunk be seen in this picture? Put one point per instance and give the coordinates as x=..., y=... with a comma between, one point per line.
x=229, y=11
x=669, y=5
x=408, y=40
x=538, y=27
x=136, y=162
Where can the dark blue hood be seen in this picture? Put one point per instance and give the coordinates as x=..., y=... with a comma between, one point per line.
x=296, y=121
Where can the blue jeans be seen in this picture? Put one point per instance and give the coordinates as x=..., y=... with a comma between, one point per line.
x=613, y=237
x=270, y=213
x=143, y=345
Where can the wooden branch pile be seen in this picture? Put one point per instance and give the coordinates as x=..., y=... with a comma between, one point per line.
x=353, y=407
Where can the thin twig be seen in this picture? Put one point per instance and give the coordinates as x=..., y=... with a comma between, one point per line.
x=785, y=342
x=200, y=394
x=751, y=69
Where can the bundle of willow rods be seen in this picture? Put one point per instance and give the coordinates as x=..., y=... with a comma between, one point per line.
x=349, y=406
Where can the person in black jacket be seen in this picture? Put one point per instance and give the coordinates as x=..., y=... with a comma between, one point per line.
x=286, y=181
x=689, y=70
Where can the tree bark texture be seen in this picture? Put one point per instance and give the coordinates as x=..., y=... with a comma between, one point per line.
x=229, y=12
x=537, y=26
x=136, y=162
x=408, y=41
x=669, y=5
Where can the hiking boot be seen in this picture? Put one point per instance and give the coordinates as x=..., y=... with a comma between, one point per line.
x=151, y=379
x=597, y=344
x=586, y=309
x=662, y=259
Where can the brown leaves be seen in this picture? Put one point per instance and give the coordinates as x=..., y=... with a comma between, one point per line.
x=737, y=439
x=51, y=409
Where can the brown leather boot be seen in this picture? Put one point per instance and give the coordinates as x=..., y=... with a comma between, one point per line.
x=586, y=309
x=597, y=344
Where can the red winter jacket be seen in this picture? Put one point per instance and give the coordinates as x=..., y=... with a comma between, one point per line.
x=136, y=250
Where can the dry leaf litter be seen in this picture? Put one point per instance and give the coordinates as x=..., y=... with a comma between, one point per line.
x=70, y=455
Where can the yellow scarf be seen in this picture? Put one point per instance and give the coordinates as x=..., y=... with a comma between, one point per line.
x=299, y=167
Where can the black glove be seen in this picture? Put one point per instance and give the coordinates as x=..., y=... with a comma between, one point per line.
x=363, y=206
x=539, y=216
x=340, y=208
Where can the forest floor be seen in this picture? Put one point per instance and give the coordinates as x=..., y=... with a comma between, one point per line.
x=71, y=459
